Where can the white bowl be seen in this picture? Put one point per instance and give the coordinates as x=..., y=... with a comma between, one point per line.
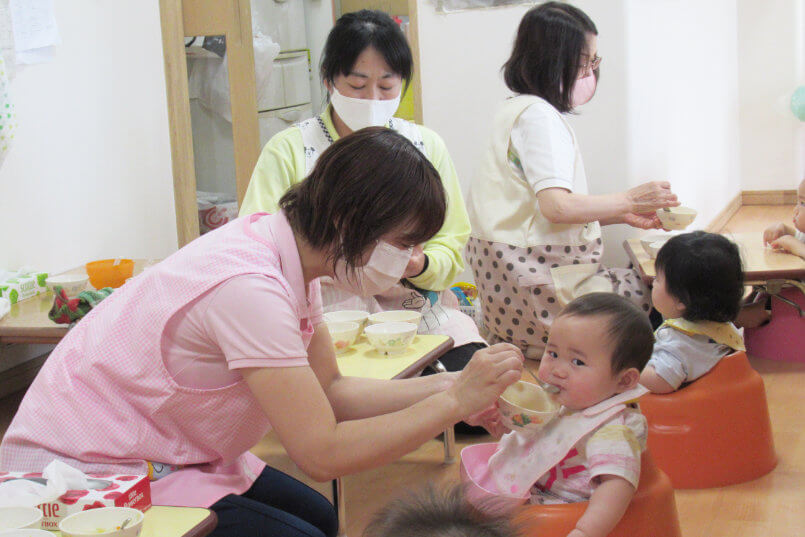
x=26, y=532
x=343, y=334
x=396, y=316
x=92, y=522
x=391, y=338
x=646, y=240
x=524, y=405
x=12, y=518
x=676, y=217
x=71, y=283
x=354, y=316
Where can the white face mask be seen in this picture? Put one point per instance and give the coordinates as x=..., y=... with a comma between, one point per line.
x=360, y=113
x=384, y=269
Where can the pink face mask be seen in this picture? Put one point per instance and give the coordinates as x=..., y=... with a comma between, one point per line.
x=583, y=90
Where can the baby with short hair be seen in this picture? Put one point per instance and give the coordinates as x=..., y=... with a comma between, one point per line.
x=698, y=291
x=434, y=512
x=592, y=450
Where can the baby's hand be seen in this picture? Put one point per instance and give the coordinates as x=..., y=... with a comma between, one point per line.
x=786, y=243
x=774, y=232
x=489, y=419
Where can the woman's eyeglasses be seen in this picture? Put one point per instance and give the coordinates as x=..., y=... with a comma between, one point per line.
x=591, y=65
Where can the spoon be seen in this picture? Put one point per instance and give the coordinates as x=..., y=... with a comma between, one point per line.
x=125, y=523
x=550, y=388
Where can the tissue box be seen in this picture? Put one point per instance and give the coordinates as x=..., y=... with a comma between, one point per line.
x=105, y=491
x=21, y=287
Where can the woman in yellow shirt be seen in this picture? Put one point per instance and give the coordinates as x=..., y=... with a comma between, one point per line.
x=365, y=67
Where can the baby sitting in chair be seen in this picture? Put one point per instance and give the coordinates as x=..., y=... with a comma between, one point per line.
x=698, y=291
x=592, y=449
x=786, y=238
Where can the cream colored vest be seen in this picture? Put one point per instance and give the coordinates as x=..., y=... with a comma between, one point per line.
x=502, y=206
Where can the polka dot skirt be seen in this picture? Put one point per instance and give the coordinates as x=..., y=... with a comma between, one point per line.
x=516, y=290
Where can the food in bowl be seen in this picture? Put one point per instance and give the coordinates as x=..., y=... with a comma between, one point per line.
x=396, y=316
x=343, y=334
x=676, y=217
x=71, y=283
x=106, y=521
x=353, y=316
x=524, y=405
x=12, y=518
x=391, y=338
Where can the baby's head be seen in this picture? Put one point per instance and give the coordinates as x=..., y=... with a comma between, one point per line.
x=799, y=209
x=434, y=512
x=597, y=347
x=699, y=278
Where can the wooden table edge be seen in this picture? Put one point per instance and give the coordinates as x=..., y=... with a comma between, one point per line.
x=205, y=527
x=428, y=358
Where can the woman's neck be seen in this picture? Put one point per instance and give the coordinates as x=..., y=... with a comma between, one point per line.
x=340, y=127
x=314, y=262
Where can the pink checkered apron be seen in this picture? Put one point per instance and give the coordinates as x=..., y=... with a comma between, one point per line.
x=104, y=401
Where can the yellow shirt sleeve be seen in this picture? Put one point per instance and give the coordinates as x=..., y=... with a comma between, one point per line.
x=444, y=250
x=280, y=166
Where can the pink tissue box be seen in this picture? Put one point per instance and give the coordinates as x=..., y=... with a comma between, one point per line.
x=104, y=491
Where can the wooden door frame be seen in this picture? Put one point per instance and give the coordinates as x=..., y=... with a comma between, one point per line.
x=230, y=18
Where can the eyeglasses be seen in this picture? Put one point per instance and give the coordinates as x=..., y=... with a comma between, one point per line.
x=591, y=65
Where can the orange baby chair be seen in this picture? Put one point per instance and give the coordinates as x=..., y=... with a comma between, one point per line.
x=652, y=512
x=714, y=431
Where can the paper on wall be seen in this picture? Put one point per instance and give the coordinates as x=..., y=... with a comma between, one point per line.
x=8, y=116
x=35, y=30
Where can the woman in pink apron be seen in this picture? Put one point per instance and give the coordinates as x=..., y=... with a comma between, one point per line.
x=186, y=367
x=366, y=67
x=529, y=205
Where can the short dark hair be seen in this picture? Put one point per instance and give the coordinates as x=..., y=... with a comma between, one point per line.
x=704, y=272
x=433, y=512
x=628, y=327
x=546, y=58
x=363, y=186
x=355, y=32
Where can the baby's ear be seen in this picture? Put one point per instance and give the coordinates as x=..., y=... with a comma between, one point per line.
x=628, y=379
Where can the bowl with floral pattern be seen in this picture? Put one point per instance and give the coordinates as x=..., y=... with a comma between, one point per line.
x=524, y=405
x=390, y=338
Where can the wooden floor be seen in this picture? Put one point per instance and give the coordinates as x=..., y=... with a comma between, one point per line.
x=773, y=505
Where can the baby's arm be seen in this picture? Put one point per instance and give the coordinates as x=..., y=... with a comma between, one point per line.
x=607, y=506
x=654, y=382
x=790, y=244
x=774, y=232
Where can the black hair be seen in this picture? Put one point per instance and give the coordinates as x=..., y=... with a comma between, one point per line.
x=704, y=272
x=432, y=512
x=629, y=328
x=546, y=58
x=363, y=186
x=355, y=32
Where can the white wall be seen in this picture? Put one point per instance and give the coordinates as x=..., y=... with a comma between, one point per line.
x=771, y=50
x=89, y=174
x=665, y=109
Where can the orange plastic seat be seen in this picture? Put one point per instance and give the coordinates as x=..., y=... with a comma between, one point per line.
x=652, y=512
x=715, y=431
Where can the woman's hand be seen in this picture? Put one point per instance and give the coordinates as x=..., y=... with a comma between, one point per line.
x=488, y=373
x=772, y=233
x=649, y=197
x=643, y=221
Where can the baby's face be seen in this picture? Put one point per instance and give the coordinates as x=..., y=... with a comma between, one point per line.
x=577, y=360
x=799, y=210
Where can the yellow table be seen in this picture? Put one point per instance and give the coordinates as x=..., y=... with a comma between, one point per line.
x=760, y=263
x=162, y=521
